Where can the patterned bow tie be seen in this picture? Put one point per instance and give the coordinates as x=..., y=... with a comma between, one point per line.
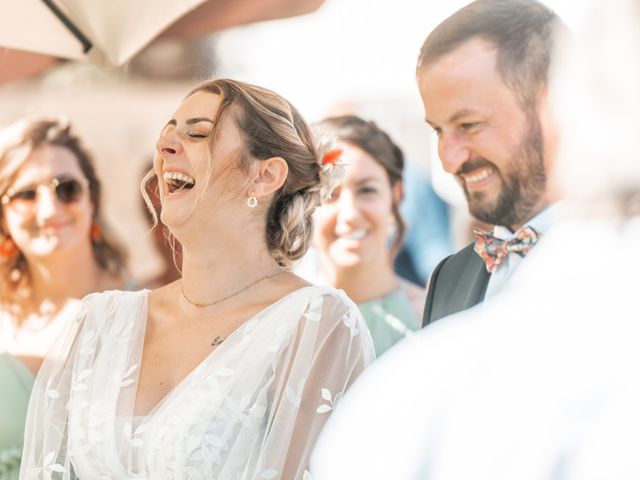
x=494, y=250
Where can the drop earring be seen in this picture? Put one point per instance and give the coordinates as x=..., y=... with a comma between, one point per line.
x=96, y=232
x=252, y=201
x=9, y=249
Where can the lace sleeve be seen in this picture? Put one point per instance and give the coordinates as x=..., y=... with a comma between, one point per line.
x=47, y=450
x=331, y=348
x=46, y=426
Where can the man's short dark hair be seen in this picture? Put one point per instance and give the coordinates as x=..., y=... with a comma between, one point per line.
x=522, y=30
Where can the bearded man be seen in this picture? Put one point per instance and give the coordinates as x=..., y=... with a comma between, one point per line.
x=483, y=78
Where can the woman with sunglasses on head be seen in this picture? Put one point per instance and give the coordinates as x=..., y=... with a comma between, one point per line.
x=231, y=371
x=355, y=226
x=53, y=252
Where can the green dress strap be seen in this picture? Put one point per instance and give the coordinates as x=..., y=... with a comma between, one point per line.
x=390, y=319
x=16, y=381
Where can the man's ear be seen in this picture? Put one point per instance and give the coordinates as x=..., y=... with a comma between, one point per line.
x=549, y=126
x=551, y=139
x=398, y=192
x=270, y=176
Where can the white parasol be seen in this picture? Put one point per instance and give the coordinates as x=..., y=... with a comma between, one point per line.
x=104, y=32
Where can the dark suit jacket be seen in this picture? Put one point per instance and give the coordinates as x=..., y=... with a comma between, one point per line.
x=457, y=283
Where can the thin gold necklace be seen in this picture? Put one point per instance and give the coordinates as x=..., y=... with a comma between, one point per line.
x=220, y=300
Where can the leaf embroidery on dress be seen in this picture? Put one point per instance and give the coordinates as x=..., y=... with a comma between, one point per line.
x=56, y=467
x=213, y=383
x=52, y=393
x=270, y=473
x=78, y=384
x=128, y=381
x=295, y=396
x=257, y=411
x=248, y=328
x=95, y=437
x=350, y=321
x=312, y=310
x=326, y=395
x=95, y=421
x=84, y=374
x=224, y=372
x=49, y=467
x=125, y=334
x=130, y=436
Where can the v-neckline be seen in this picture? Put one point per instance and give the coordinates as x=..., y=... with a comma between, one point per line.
x=206, y=358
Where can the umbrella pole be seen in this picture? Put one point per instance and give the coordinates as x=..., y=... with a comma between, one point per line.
x=86, y=43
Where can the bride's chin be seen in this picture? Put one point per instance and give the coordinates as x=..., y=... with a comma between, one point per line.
x=175, y=221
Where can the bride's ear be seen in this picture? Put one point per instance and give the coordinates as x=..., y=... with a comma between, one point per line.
x=270, y=176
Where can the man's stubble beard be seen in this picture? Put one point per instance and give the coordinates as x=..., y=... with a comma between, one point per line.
x=523, y=184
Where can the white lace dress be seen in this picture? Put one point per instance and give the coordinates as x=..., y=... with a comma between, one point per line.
x=251, y=410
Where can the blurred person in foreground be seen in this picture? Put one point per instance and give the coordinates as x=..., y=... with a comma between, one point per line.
x=482, y=75
x=354, y=227
x=517, y=389
x=232, y=370
x=53, y=251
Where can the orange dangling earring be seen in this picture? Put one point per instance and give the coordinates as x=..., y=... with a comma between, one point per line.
x=96, y=232
x=9, y=249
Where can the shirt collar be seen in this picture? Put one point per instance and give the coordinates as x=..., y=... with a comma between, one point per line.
x=540, y=223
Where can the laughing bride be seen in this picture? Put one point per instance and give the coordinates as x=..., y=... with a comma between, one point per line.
x=230, y=372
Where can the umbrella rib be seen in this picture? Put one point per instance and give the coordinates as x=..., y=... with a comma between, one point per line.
x=86, y=43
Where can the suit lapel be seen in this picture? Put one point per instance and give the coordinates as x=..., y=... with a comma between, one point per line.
x=461, y=282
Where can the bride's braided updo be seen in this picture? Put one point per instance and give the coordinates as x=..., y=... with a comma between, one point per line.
x=272, y=127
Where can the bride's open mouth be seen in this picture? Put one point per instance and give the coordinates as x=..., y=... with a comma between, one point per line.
x=176, y=182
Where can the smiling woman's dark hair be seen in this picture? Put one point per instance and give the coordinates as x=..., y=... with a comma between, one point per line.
x=370, y=138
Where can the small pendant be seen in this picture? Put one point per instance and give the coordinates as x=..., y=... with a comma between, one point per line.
x=217, y=341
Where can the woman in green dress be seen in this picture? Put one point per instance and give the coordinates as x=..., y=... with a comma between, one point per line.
x=16, y=380
x=354, y=228
x=53, y=251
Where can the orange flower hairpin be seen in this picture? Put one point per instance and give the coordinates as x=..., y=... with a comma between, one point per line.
x=331, y=156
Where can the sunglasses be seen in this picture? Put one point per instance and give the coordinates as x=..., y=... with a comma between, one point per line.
x=66, y=190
